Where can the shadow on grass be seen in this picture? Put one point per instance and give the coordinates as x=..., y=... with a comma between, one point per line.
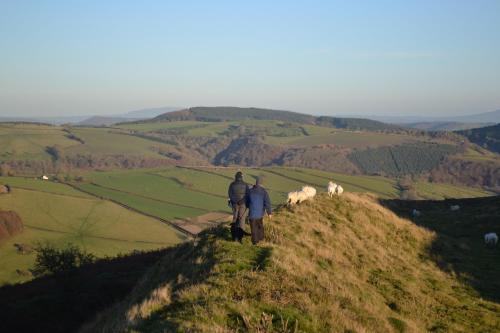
x=64, y=302
x=459, y=246
x=61, y=303
x=195, y=264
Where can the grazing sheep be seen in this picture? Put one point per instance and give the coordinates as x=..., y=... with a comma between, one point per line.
x=293, y=198
x=332, y=188
x=310, y=191
x=454, y=208
x=302, y=196
x=415, y=213
x=340, y=190
x=45, y=177
x=491, y=239
x=306, y=193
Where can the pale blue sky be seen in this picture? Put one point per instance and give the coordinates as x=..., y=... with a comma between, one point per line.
x=323, y=57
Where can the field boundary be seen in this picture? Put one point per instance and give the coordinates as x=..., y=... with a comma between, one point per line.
x=149, y=198
x=49, y=192
x=189, y=189
x=162, y=220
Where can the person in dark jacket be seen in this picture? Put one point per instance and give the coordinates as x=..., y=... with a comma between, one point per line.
x=258, y=203
x=237, y=192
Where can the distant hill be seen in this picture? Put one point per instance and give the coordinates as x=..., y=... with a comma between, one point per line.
x=102, y=121
x=486, y=137
x=486, y=117
x=46, y=120
x=445, y=125
x=228, y=113
x=148, y=113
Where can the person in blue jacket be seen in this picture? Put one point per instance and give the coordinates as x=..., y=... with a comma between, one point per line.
x=259, y=204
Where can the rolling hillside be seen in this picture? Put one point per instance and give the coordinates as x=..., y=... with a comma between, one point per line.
x=59, y=214
x=486, y=137
x=227, y=113
x=341, y=265
x=248, y=137
x=121, y=211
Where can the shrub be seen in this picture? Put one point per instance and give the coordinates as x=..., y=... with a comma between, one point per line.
x=51, y=260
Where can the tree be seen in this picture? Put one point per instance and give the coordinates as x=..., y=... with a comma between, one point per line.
x=51, y=260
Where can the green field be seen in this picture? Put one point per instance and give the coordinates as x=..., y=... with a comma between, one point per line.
x=179, y=192
x=29, y=141
x=350, y=139
x=108, y=141
x=447, y=191
x=60, y=215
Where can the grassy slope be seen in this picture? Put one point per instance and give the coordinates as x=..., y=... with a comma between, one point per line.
x=59, y=214
x=108, y=141
x=351, y=139
x=342, y=265
x=29, y=141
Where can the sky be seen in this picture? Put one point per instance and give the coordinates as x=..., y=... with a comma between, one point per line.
x=321, y=57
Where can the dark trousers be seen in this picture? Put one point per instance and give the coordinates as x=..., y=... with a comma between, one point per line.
x=257, y=227
x=238, y=221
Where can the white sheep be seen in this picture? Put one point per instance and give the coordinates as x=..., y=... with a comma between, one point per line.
x=307, y=192
x=293, y=198
x=332, y=188
x=340, y=190
x=302, y=196
x=310, y=191
x=491, y=239
x=454, y=208
x=415, y=213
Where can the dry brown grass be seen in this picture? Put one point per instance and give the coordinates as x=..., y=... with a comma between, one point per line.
x=331, y=265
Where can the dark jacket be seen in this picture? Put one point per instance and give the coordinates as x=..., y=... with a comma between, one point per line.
x=258, y=202
x=238, y=191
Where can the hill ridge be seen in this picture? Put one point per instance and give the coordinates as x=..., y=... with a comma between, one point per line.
x=228, y=113
x=347, y=264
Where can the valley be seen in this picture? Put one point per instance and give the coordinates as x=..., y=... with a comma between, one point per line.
x=155, y=188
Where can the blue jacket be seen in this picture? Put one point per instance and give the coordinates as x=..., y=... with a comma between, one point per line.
x=258, y=202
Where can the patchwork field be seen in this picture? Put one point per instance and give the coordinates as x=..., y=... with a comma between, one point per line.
x=94, y=216
x=183, y=192
x=58, y=214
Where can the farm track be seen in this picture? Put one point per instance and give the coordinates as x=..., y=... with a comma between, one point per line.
x=164, y=221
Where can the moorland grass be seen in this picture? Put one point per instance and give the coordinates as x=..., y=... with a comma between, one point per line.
x=332, y=265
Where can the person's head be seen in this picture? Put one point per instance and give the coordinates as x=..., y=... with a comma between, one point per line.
x=258, y=181
x=238, y=176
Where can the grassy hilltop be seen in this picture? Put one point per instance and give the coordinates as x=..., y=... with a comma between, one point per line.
x=342, y=265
